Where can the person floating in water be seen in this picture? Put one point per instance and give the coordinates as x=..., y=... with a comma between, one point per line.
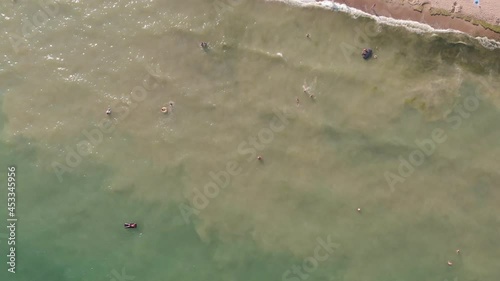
x=108, y=111
x=130, y=225
x=204, y=45
x=307, y=90
x=367, y=53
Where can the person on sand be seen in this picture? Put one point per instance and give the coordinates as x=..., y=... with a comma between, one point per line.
x=373, y=10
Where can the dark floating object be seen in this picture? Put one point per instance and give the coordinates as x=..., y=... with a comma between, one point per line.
x=130, y=225
x=367, y=53
x=204, y=45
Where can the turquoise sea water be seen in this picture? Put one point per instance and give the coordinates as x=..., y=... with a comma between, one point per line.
x=322, y=159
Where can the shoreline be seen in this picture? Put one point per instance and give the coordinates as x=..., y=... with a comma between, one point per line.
x=424, y=15
x=458, y=16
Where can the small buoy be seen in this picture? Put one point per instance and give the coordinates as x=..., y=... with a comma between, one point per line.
x=450, y=263
x=458, y=251
x=359, y=210
x=164, y=109
x=108, y=111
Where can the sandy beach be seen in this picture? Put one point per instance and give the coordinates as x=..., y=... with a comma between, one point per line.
x=481, y=19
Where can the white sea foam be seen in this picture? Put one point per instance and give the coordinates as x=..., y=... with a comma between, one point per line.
x=412, y=26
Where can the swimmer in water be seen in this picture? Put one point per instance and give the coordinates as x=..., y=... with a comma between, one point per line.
x=204, y=45
x=130, y=225
x=297, y=101
x=307, y=91
x=108, y=111
x=367, y=53
x=305, y=88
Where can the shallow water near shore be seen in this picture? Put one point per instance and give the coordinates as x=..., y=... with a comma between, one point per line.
x=331, y=155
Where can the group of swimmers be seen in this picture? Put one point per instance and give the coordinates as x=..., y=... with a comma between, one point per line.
x=366, y=54
x=165, y=109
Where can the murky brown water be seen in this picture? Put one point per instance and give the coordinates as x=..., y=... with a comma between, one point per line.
x=84, y=173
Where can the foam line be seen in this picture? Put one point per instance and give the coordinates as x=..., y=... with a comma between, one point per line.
x=412, y=26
